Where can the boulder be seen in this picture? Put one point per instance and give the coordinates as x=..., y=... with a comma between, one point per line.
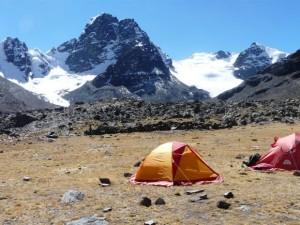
x=223, y=205
x=228, y=195
x=146, y=202
x=160, y=201
x=72, y=196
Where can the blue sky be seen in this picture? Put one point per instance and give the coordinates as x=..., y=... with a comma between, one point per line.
x=179, y=27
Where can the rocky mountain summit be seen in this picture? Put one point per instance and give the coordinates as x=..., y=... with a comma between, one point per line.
x=127, y=115
x=19, y=63
x=255, y=59
x=222, y=54
x=137, y=68
x=278, y=81
x=17, y=53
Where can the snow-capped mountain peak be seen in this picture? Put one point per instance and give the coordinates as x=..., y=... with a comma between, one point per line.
x=115, y=57
x=221, y=71
x=256, y=58
x=15, y=60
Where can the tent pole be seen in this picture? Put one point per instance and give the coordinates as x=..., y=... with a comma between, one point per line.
x=181, y=171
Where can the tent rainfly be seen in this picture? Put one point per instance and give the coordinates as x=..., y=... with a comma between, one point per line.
x=283, y=155
x=174, y=163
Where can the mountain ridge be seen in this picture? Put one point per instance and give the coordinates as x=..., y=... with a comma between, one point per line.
x=278, y=81
x=97, y=51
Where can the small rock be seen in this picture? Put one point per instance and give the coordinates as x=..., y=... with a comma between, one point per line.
x=105, y=181
x=245, y=208
x=127, y=174
x=200, y=199
x=108, y=209
x=194, y=191
x=173, y=127
x=296, y=173
x=107, y=153
x=1, y=151
x=160, y=201
x=89, y=220
x=223, y=205
x=228, y=195
x=146, y=202
x=150, y=222
x=255, y=148
x=104, y=185
x=72, y=196
x=196, y=200
x=137, y=164
x=204, y=196
x=26, y=178
x=52, y=136
x=240, y=156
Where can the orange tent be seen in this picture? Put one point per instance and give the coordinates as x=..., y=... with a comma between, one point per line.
x=174, y=163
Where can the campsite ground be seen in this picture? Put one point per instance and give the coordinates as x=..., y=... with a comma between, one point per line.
x=78, y=162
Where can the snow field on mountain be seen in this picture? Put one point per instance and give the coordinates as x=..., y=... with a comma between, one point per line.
x=205, y=71
x=57, y=83
x=273, y=53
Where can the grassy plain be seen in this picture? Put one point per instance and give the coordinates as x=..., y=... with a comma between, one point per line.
x=77, y=163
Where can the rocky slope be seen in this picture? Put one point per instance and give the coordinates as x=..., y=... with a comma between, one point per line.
x=278, y=81
x=123, y=116
x=14, y=98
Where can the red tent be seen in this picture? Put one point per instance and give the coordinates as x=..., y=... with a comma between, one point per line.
x=284, y=155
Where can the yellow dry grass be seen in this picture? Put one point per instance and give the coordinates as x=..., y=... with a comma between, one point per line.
x=77, y=163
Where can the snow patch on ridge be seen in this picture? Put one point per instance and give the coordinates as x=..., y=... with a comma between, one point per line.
x=55, y=85
x=274, y=54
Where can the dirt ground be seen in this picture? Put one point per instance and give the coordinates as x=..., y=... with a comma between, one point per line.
x=77, y=163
